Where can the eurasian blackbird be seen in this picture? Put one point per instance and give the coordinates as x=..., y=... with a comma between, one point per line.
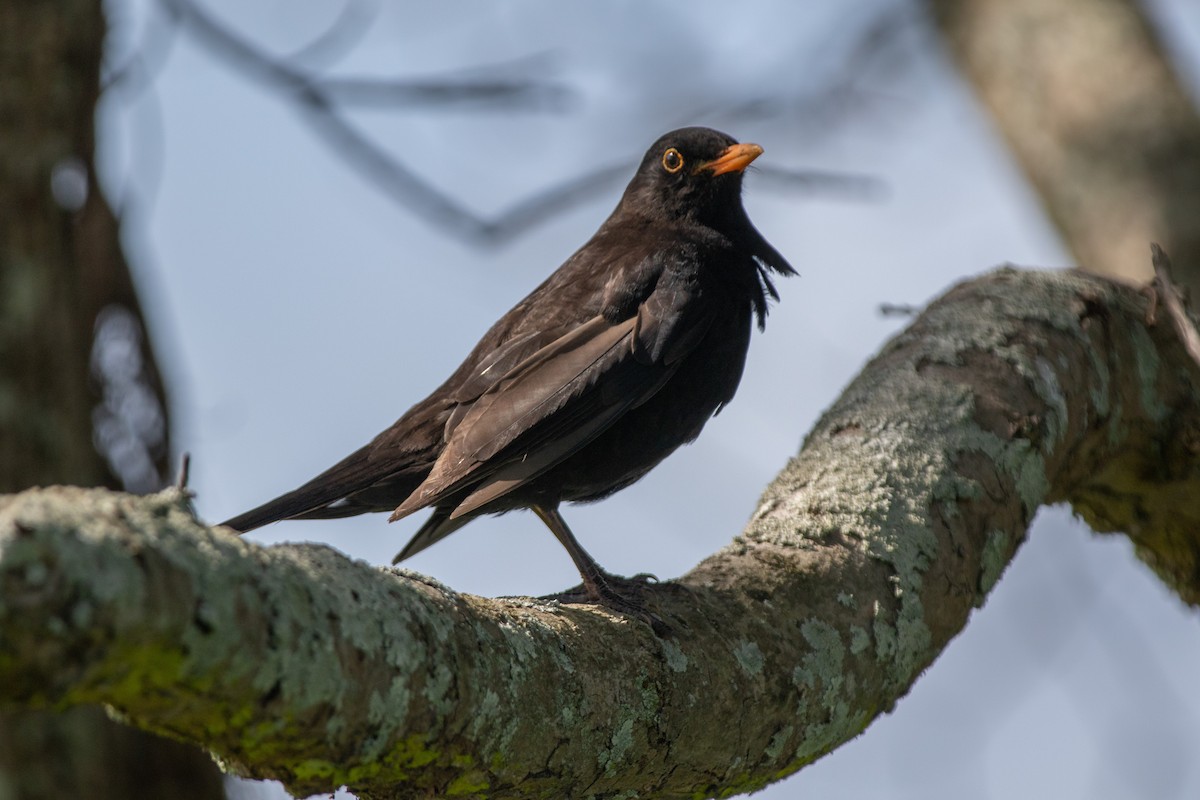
x=617, y=359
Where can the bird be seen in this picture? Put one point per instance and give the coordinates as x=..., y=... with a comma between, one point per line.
x=613, y=362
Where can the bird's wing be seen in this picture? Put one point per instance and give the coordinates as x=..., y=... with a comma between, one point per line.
x=556, y=400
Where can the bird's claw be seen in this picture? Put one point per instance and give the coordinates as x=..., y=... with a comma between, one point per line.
x=617, y=593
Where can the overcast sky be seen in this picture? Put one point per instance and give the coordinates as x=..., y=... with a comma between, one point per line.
x=299, y=310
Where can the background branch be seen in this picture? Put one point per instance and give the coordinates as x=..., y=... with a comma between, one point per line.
x=322, y=99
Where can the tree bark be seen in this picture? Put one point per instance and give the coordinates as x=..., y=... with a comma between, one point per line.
x=74, y=362
x=865, y=557
x=1091, y=107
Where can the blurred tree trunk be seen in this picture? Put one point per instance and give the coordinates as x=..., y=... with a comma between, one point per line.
x=1091, y=107
x=81, y=400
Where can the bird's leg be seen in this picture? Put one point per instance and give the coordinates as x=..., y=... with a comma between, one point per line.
x=600, y=586
x=595, y=579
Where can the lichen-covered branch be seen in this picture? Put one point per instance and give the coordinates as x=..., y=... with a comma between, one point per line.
x=866, y=555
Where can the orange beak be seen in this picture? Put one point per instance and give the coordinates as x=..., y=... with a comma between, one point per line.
x=734, y=158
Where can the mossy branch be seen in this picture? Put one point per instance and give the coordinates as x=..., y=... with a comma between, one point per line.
x=865, y=557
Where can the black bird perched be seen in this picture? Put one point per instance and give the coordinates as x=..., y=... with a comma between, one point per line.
x=617, y=359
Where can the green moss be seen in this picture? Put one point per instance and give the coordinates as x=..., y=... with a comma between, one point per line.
x=314, y=768
x=732, y=786
x=334, y=774
x=410, y=753
x=129, y=671
x=467, y=784
x=261, y=738
x=361, y=773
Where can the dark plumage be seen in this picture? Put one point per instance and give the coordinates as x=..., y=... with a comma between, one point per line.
x=617, y=359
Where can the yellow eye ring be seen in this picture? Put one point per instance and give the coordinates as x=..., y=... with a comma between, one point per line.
x=672, y=160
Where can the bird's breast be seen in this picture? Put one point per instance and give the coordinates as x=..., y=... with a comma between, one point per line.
x=705, y=380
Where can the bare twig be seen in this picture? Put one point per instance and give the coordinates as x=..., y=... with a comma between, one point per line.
x=1170, y=299
x=139, y=69
x=898, y=310
x=508, y=93
x=317, y=98
x=281, y=74
x=837, y=71
x=185, y=465
x=841, y=185
x=320, y=99
x=339, y=38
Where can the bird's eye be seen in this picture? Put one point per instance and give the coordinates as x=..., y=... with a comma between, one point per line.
x=672, y=161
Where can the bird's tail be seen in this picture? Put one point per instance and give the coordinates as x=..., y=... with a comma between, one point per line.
x=436, y=528
x=355, y=485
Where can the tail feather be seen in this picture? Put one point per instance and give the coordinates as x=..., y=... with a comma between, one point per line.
x=436, y=528
x=355, y=485
x=297, y=504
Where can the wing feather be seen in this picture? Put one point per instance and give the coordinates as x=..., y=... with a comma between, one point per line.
x=558, y=399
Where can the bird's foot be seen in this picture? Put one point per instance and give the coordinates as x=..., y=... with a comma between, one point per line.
x=617, y=593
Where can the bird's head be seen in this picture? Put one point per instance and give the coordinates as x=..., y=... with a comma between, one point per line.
x=692, y=173
x=695, y=175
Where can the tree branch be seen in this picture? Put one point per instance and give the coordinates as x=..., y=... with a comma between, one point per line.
x=866, y=556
